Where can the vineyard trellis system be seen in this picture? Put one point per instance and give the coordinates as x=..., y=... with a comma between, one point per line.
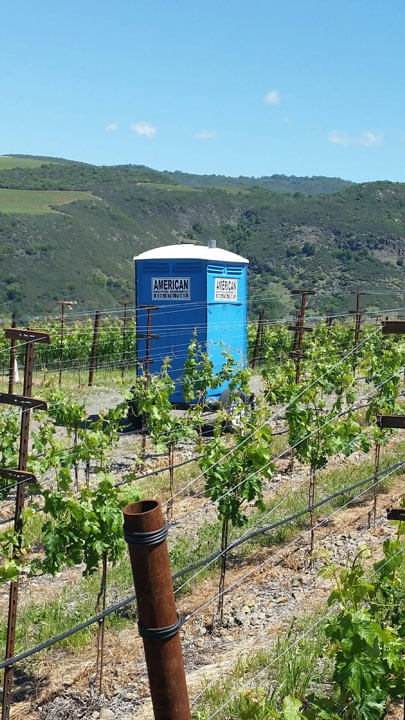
x=27, y=403
x=199, y=564
x=329, y=377
x=292, y=708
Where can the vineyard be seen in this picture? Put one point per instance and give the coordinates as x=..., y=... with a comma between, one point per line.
x=288, y=576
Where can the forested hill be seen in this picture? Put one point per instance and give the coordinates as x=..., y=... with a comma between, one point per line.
x=46, y=173
x=70, y=229
x=277, y=183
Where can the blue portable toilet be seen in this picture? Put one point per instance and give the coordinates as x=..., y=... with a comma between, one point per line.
x=194, y=288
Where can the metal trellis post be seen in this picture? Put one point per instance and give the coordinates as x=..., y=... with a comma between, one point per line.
x=299, y=330
x=11, y=375
x=124, y=336
x=145, y=532
x=26, y=402
x=94, y=348
x=391, y=327
x=62, y=303
x=357, y=326
x=146, y=361
x=259, y=337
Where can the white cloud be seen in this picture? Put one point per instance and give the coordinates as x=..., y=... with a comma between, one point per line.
x=339, y=138
x=206, y=135
x=367, y=138
x=272, y=97
x=111, y=127
x=144, y=129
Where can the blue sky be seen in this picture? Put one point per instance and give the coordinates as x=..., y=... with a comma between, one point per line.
x=304, y=87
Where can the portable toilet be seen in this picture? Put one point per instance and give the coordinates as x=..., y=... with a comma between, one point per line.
x=193, y=288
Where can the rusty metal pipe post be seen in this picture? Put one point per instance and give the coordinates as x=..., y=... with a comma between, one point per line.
x=11, y=374
x=69, y=304
x=146, y=361
x=62, y=334
x=259, y=335
x=145, y=531
x=357, y=327
x=19, y=505
x=296, y=335
x=299, y=342
x=124, y=338
x=94, y=348
x=299, y=330
x=30, y=337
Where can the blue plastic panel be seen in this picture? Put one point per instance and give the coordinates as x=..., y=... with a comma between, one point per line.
x=210, y=298
x=178, y=288
x=226, y=315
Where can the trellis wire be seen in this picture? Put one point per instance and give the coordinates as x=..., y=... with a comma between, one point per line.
x=180, y=573
x=295, y=643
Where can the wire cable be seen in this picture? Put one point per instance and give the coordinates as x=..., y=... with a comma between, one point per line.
x=266, y=629
x=273, y=417
x=271, y=511
x=279, y=523
x=293, y=644
x=262, y=425
x=123, y=603
x=292, y=447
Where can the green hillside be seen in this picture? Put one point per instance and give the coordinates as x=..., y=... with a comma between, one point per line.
x=276, y=183
x=83, y=249
x=34, y=202
x=7, y=162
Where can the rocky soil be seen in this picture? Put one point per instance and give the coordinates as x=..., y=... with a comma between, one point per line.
x=279, y=586
x=269, y=587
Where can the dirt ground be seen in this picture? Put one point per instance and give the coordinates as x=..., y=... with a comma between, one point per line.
x=266, y=590
x=269, y=588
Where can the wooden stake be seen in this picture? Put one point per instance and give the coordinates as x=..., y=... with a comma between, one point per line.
x=299, y=330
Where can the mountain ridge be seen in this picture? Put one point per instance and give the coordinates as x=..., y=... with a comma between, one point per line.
x=333, y=241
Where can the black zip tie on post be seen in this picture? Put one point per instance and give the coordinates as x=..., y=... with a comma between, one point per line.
x=162, y=633
x=154, y=537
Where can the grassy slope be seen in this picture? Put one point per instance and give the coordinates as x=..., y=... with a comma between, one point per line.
x=333, y=242
x=36, y=202
x=7, y=162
